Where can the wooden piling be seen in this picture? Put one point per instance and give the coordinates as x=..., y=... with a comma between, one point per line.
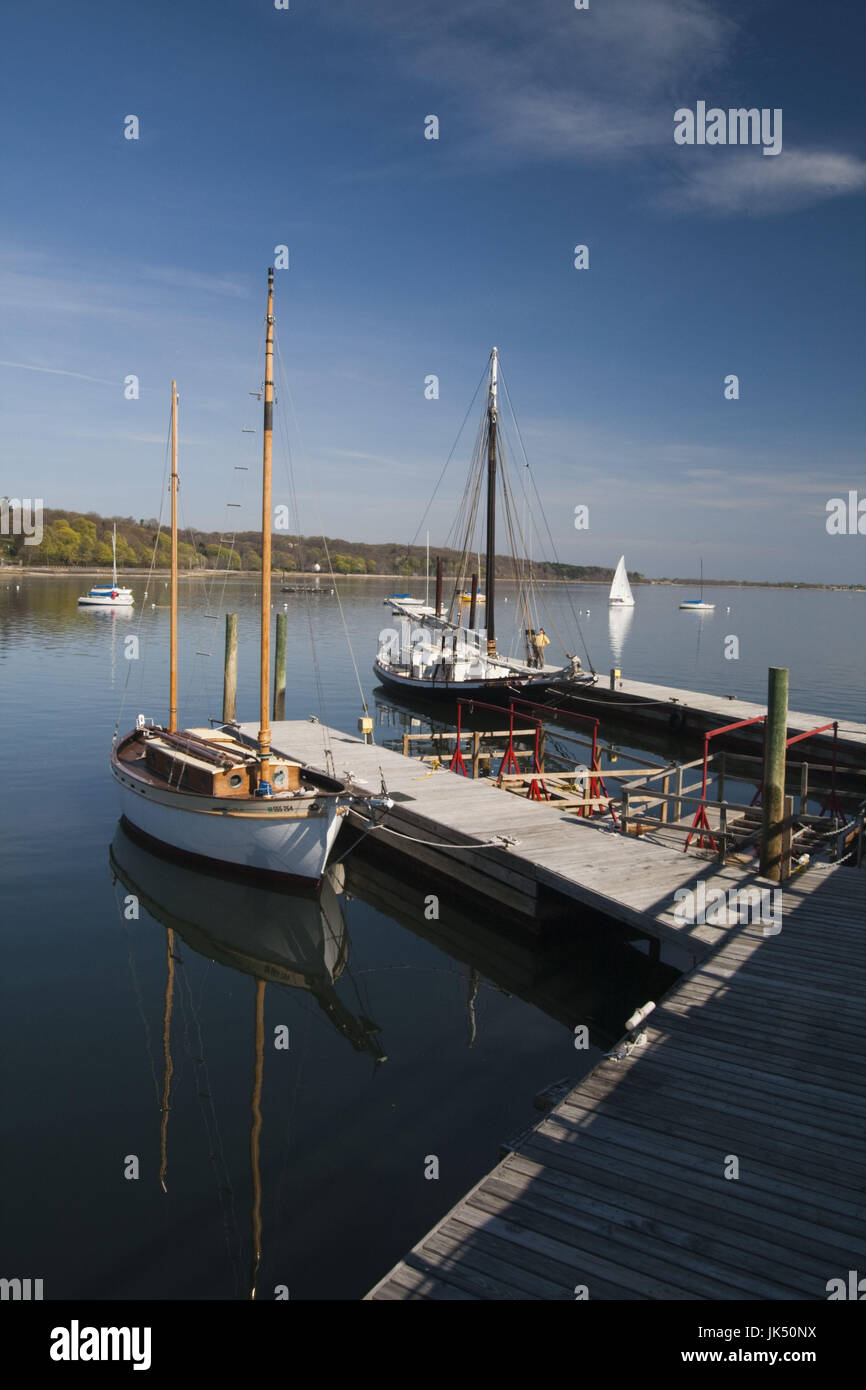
x=280, y=668
x=678, y=785
x=230, y=668
x=774, y=773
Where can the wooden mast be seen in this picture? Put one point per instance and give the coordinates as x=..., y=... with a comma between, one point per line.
x=265, y=729
x=492, y=417
x=172, y=660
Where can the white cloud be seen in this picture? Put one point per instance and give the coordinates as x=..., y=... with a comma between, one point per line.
x=731, y=182
x=544, y=81
x=181, y=278
x=544, y=78
x=58, y=371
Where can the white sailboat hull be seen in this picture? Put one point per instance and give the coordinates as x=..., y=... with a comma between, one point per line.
x=106, y=601
x=455, y=689
x=269, y=837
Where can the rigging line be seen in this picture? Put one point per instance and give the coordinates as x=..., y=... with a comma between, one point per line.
x=476, y=472
x=477, y=459
x=209, y=589
x=449, y=458
x=308, y=607
x=196, y=677
x=527, y=595
x=136, y=989
x=150, y=574
x=211, y=1126
x=307, y=1011
x=544, y=518
x=324, y=538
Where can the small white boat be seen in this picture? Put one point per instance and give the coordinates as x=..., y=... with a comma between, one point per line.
x=697, y=605
x=108, y=595
x=620, y=590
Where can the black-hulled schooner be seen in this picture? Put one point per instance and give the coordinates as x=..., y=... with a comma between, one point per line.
x=441, y=650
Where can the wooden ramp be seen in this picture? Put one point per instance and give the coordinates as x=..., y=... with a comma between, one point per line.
x=508, y=848
x=756, y=1056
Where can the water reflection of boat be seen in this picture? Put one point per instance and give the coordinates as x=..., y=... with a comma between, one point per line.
x=277, y=937
x=619, y=620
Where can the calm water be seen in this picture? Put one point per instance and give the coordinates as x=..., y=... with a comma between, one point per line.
x=473, y=1015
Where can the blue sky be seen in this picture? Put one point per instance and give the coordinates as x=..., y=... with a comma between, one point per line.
x=411, y=256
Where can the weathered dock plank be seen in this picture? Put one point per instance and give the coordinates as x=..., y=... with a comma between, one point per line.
x=551, y=849
x=621, y=1187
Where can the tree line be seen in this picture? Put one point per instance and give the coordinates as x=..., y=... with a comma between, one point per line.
x=76, y=540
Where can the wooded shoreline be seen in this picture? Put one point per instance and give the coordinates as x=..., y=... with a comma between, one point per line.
x=65, y=571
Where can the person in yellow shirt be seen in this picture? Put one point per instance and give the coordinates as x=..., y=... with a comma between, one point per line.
x=539, y=642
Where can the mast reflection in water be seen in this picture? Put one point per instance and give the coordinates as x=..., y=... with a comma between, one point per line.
x=318, y=1150
x=296, y=941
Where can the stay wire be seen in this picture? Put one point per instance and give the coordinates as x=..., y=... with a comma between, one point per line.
x=150, y=575
x=323, y=536
x=448, y=460
x=544, y=519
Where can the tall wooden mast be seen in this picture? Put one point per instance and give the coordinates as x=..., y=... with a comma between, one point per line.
x=492, y=418
x=172, y=660
x=265, y=729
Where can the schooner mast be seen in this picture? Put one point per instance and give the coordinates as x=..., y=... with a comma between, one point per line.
x=492, y=418
x=172, y=654
x=264, y=787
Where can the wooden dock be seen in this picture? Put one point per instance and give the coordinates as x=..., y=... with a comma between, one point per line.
x=627, y=1188
x=513, y=850
x=691, y=712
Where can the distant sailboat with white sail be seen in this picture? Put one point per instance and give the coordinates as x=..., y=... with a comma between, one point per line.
x=620, y=590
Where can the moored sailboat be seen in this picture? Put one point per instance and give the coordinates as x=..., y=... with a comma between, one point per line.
x=110, y=595
x=209, y=794
x=435, y=653
x=697, y=605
